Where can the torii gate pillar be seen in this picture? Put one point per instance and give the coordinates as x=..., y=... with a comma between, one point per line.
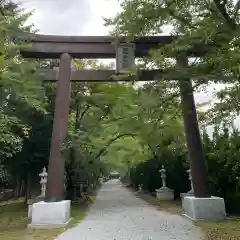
x=54, y=212
x=55, y=183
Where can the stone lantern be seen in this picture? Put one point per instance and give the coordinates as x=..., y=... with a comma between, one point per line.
x=191, y=192
x=164, y=193
x=43, y=175
x=163, y=176
x=43, y=182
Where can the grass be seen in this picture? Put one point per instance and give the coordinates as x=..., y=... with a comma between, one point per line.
x=224, y=230
x=14, y=220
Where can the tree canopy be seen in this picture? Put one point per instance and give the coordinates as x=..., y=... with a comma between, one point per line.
x=214, y=25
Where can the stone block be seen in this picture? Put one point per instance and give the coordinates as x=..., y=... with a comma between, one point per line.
x=30, y=203
x=164, y=193
x=212, y=208
x=182, y=195
x=47, y=215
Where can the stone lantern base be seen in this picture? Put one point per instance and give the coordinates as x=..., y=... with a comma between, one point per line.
x=164, y=193
x=47, y=215
x=212, y=208
x=189, y=193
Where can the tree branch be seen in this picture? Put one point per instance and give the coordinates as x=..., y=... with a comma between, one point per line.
x=84, y=112
x=181, y=19
x=236, y=9
x=222, y=9
x=2, y=12
x=153, y=152
x=108, y=110
x=103, y=150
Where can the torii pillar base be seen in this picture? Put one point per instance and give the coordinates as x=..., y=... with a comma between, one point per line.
x=209, y=209
x=49, y=215
x=54, y=211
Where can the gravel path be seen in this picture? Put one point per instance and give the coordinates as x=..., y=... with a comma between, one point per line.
x=118, y=215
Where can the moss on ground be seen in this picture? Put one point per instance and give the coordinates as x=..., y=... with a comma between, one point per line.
x=227, y=230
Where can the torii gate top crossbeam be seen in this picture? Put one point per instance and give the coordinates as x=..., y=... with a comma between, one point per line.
x=52, y=46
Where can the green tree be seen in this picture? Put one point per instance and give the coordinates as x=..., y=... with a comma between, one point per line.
x=214, y=25
x=18, y=82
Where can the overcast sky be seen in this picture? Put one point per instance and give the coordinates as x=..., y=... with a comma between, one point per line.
x=73, y=17
x=79, y=17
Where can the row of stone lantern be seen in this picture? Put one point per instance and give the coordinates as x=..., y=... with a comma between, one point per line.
x=165, y=193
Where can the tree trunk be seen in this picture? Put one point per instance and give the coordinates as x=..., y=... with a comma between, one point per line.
x=28, y=188
x=23, y=188
x=70, y=187
x=17, y=189
x=72, y=158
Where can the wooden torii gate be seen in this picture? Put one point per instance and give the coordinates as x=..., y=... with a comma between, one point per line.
x=67, y=47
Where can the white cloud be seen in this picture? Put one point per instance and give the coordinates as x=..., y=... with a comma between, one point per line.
x=74, y=17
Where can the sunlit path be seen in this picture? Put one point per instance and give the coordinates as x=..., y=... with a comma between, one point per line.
x=118, y=215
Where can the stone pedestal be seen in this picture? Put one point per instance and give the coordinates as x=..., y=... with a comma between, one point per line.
x=47, y=215
x=182, y=195
x=30, y=203
x=164, y=193
x=212, y=208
